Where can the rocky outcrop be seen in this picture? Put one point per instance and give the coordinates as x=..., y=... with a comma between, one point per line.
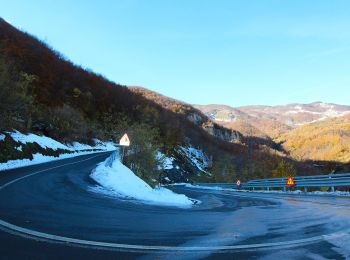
x=222, y=133
x=195, y=118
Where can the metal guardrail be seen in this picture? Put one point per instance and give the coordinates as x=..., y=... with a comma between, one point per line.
x=115, y=155
x=329, y=180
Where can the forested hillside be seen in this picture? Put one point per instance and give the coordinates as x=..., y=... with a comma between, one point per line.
x=192, y=114
x=42, y=92
x=320, y=141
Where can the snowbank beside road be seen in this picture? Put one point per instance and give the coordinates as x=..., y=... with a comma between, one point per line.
x=37, y=159
x=45, y=142
x=188, y=185
x=117, y=179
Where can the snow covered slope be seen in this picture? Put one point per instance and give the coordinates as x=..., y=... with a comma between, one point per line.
x=47, y=142
x=118, y=180
x=70, y=150
x=197, y=157
x=185, y=163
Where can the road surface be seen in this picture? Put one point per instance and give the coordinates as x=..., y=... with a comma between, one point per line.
x=52, y=211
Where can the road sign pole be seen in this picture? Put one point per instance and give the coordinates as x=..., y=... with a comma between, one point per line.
x=122, y=154
x=124, y=141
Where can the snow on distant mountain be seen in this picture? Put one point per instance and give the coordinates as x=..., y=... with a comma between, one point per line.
x=272, y=120
x=298, y=114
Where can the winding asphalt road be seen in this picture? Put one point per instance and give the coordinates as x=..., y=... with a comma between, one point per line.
x=55, y=210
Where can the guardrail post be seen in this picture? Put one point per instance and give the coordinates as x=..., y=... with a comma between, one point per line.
x=332, y=188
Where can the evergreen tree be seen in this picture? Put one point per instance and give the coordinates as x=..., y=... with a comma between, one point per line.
x=224, y=170
x=284, y=169
x=141, y=156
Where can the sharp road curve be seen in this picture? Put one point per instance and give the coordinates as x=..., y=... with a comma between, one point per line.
x=52, y=210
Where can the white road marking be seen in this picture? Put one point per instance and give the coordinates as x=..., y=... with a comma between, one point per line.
x=48, y=169
x=35, y=234
x=32, y=234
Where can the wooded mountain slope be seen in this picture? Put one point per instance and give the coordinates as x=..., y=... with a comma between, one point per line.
x=327, y=140
x=316, y=131
x=272, y=121
x=55, y=84
x=42, y=92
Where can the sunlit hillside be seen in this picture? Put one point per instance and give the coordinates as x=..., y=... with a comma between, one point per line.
x=325, y=140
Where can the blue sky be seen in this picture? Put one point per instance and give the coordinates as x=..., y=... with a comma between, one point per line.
x=224, y=52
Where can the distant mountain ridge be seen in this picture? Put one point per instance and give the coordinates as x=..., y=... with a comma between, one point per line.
x=272, y=121
x=322, y=140
x=317, y=131
x=67, y=103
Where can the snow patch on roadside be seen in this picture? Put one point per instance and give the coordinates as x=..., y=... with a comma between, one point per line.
x=79, y=146
x=37, y=159
x=336, y=193
x=167, y=162
x=106, y=146
x=197, y=157
x=188, y=185
x=119, y=180
x=45, y=142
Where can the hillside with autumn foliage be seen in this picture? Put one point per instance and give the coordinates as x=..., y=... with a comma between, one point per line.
x=327, y=140
x=41, y=92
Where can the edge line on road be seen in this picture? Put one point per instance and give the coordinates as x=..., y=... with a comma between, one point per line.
x=32, y=234
x=48, y=169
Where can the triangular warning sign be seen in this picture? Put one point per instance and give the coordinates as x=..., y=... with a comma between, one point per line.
x=290, y=182
x=124, y=141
